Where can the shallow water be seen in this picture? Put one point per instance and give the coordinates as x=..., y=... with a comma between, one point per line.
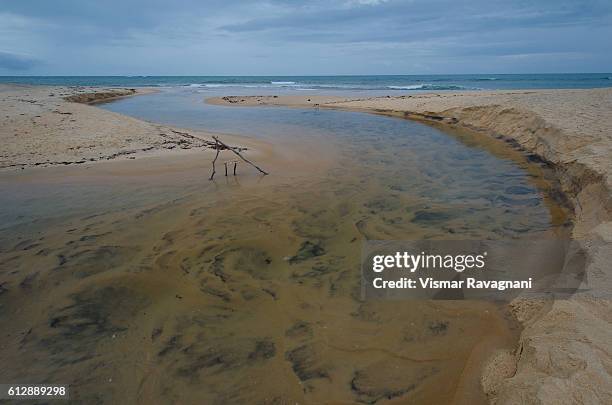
x=480, y=186
x=170, y=288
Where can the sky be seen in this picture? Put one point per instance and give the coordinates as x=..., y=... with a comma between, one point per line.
x=301, y=37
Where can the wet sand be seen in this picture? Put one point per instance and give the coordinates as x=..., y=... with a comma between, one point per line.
x=244, y=289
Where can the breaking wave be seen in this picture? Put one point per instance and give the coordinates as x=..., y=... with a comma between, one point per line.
x=431, y=87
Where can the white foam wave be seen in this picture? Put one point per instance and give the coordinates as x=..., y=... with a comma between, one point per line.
x=427, y=86
x=411, y=87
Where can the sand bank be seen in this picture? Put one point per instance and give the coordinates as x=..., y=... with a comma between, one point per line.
x=47, y=126
x=565, y=350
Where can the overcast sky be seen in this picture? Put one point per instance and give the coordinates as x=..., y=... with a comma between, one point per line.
x=296, y=37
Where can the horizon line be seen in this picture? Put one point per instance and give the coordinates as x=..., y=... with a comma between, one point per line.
x=313, y=75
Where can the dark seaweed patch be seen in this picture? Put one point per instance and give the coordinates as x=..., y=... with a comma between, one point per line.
x=264, y=349
x=28, y=280
x=215, y=292
x=382, y=204
x=94, y=314
x=431, y=217
x=304, y=362
x=271, y=293
x=300, y=329
x=307, y=250
x=217, y=268
x=430, y=329
x=155, y=333
x=438, y=327
x=388, y=380
x=89, y=262
x=254, y=261
x=223, y=355
x=173, y=344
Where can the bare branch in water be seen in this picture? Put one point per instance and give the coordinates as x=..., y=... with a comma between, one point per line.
x=237, y=153
x=215, y=159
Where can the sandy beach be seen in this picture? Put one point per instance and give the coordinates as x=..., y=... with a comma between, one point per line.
x=565, y=352
x=51, y=126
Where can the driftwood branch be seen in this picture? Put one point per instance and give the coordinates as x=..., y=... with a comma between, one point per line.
x=218, y=142
x=215, y=159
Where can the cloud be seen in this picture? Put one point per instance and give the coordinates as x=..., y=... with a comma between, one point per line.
x=15, y=62
x=424, y=18
x=303, y=36
x=367, y=2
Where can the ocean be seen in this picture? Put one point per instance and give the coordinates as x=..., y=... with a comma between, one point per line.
x=391, y=84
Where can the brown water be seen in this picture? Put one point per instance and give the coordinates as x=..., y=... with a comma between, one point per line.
x=142, y=282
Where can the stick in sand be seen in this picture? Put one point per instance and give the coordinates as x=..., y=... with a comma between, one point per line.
x=215, y=159
x=239, y=155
